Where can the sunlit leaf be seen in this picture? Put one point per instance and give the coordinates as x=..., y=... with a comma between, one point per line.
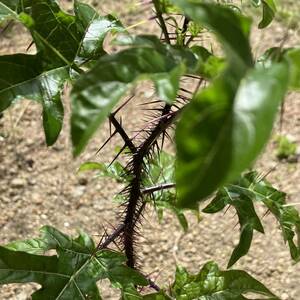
x=22, y=77
x=275, y=200
x=55, y=33
x=72, y=274
x=223, y=130
x=248, y=219
x=95, y=28
x=214, y=284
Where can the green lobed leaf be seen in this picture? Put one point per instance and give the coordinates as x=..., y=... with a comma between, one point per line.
x=55, y=33
x=90, y=166
x=248, y=219
x=224, y=129
x=22, y=76
x=51, y=238
x=214, y=284
x=72, y=274
x=60, y=39
x=96, y=93
x=275, y=200
x=251, y=187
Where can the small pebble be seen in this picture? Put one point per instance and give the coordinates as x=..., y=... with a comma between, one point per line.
x=18, y=183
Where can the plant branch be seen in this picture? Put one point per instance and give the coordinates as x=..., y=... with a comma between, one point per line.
x=161, y=21
x=112, y=237
x=159, y=187
x=123, y=134
x=135, y=187
x=153, y=285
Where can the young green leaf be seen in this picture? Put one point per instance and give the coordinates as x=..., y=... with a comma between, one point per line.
x=214, y=284
x=223, y=130
x=115, y=171
x=287, y=215
x=248, y=218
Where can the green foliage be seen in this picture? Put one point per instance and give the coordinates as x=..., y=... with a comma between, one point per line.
x=248, y=218
x=22, y=76
x=214, y=284
x=70, y=274
x=114, y=171
x=159, y=172
x=73, y=272
x=219, y=132
x=231, y=29
x=242, y=195
x=61, y=41
x=220, y=119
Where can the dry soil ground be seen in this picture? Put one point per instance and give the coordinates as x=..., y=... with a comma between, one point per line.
x=39, y=185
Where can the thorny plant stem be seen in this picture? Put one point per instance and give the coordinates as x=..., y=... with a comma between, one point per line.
x=157, y=188
x=135, y=191
x=134, y=197
x=135, y=207
x=118, y=231
x=161, y=21
x=112, y=237
x=122, y=133
x=136, y=203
